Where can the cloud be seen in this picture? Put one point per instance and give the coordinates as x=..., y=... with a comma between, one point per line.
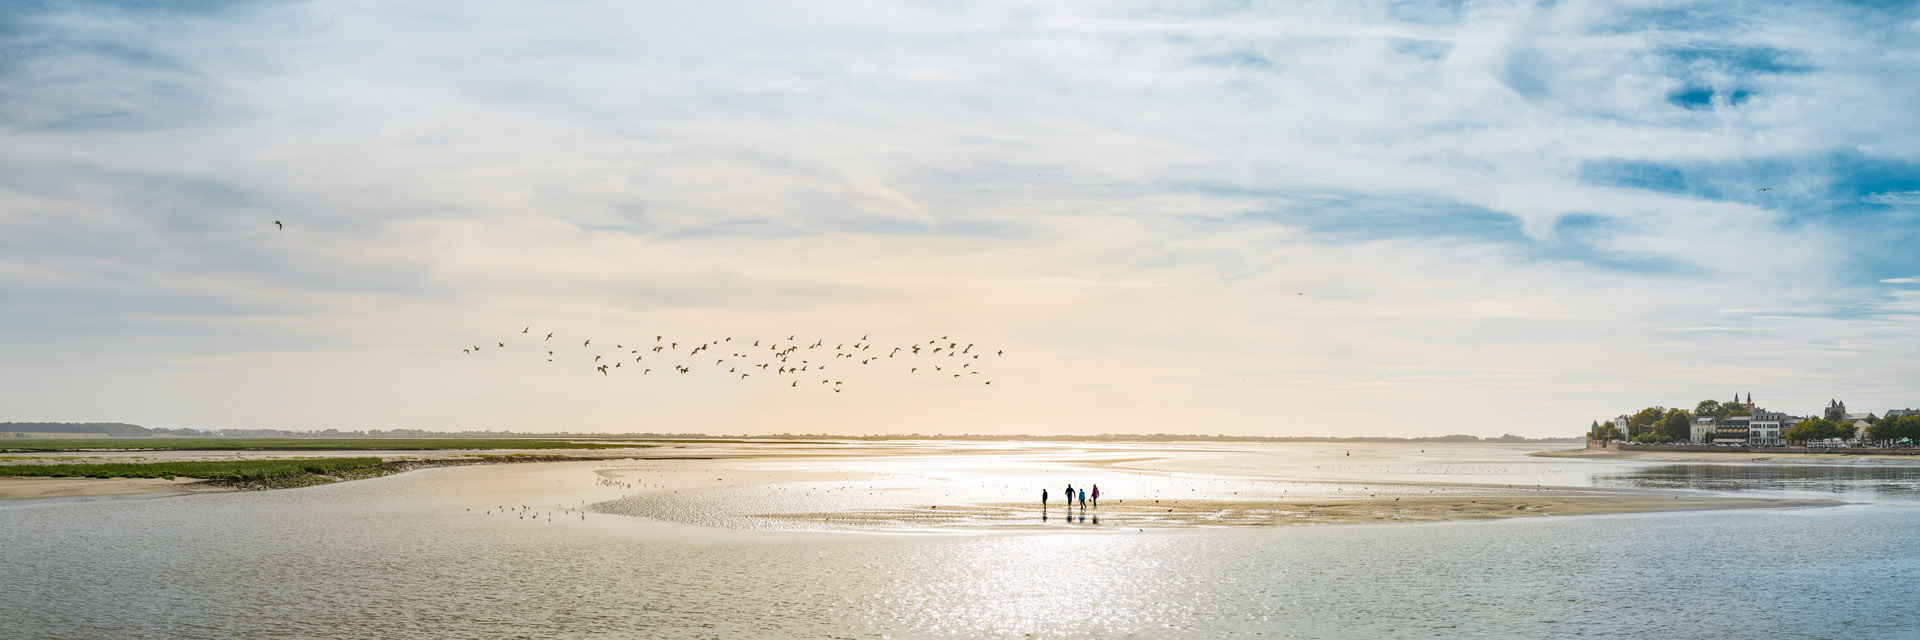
x=1537, y=201
x=1898, y=198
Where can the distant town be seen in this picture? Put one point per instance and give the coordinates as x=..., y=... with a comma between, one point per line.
x=1742, y=423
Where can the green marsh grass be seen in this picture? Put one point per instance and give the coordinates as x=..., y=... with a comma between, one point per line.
x=234, y=471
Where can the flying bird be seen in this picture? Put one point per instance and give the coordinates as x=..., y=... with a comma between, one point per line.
x=549, y=337
x=529, y=327
x=279, y=226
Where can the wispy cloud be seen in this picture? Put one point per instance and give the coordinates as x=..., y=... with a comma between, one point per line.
x=1541, y=200
x=1898, y=198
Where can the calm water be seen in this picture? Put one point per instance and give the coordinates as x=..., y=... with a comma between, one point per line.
x=400, y=557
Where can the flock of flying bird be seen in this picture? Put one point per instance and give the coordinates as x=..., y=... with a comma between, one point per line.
x=773, y=359
x=799, y=363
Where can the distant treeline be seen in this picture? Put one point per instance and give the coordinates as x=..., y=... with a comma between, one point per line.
x=113, y=429
x=134, y=431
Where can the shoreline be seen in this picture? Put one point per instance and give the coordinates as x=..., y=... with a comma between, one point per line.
x=1719, y=456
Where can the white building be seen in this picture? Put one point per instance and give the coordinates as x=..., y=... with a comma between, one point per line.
x=1702, y=430
x=1860, y=422
x=1764, y=429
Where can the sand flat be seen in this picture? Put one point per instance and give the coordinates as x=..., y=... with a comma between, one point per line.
x=36, y=488
x=1276, y=513
x=937, y=489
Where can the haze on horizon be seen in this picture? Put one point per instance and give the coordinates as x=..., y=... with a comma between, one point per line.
x=1293, y=219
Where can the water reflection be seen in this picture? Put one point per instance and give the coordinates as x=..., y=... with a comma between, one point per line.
x=1882, y=482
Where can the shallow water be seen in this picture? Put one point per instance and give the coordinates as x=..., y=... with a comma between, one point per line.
x=402, y=557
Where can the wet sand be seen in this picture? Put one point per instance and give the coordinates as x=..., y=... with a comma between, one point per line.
x=954, y=490
x=37, y=488
x=1205, y=513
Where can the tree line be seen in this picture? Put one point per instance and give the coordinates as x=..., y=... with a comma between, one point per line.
x=1894, y=429
x=1655, y=425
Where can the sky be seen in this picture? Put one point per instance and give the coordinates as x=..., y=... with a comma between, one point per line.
x=1302, y=218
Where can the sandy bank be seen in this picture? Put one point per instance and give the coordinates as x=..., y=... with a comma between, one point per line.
x=36, y=488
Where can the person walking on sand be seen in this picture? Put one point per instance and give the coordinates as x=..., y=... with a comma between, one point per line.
x=1069, y=497
x=1043, y=499
x=1096, y=496
x=1083, y=499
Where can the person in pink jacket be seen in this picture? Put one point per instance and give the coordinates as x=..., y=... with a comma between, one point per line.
x=1096, y=496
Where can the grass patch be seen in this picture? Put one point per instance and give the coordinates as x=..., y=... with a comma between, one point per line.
x=297, y=444
x=229, y=471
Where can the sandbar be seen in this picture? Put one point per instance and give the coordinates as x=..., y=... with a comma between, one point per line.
x=38, y=488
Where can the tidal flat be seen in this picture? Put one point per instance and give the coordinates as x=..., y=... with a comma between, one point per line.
x=943, y=539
